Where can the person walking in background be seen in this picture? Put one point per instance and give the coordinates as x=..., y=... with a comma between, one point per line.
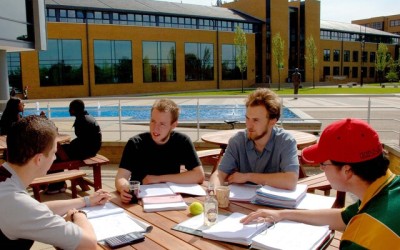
x=32, y=145
x=86, y=144
x=296, y=79
x=263, y=153
x=351, y=155
x=11, y=114
x=157, y=156
x=12, y=92
x=25, y=92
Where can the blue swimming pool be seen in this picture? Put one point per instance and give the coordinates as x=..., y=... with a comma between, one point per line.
x=142, y=113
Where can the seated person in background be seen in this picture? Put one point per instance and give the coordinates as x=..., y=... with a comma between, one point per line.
x=86, y=144
x=11, y=114
x=263, y=153
x=32, y=145
x=157, y=156
x=88, y=133
x=351, y=155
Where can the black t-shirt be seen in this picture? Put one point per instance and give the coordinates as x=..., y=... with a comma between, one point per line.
x=142, y=156
x=88, y=138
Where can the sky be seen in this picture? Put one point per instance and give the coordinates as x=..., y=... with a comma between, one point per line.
x=337, y=10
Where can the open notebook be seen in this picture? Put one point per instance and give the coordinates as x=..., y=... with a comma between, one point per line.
x=282, y=235
x=170, y=188
x=228, y=228
x=110, y=220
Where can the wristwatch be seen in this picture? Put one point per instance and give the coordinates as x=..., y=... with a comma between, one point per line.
x=79, y=211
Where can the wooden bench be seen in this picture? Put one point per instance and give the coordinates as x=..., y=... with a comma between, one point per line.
x=210, y=157
x=72, y=175
x=94, y=162
x=394, y=84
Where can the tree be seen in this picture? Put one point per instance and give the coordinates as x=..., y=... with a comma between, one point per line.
x=241, y=51
x=392, y=75
x=311, y=56
x=278, y=46
x=382, y=60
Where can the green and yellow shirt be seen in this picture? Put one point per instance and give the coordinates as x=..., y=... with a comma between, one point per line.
x=374, y=223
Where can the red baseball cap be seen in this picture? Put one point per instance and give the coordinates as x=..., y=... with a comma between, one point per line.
x=348, y=140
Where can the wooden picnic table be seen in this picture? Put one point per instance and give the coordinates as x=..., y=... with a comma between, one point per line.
x=164, y=237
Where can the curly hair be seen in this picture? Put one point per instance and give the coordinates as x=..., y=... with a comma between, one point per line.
x=267, y=98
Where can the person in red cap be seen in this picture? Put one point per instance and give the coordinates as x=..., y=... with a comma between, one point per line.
x=351, y=155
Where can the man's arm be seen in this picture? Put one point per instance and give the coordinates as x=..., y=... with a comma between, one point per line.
x=61, y=207
x=196, y=175
x=331, y=217
x=286, y=180
x=218, y=178
x=122, y=184
x=88, y=240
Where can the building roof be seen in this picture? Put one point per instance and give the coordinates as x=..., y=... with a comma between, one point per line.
x=353, y=28
x=154, y=7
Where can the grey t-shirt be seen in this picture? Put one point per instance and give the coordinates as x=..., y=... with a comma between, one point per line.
x=23, y=217
x=279, y=155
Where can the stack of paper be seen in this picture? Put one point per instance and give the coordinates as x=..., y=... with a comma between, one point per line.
x=242, y=192
x=247, y=193
x=163, y=203
x=291, y=235
x=271, y=196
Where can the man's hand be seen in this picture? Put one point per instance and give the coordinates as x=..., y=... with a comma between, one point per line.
x=100, y=197
x=125, y=195
x=151, y=179
x=237, y=177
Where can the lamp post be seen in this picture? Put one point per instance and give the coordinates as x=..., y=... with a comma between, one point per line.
x=362, y=60
x=362, y=43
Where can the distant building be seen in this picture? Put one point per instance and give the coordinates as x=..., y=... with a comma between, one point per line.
x=113, y=47
x=385, y=23
x=23, y=29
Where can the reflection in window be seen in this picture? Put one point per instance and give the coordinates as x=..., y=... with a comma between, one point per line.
x=327, y=55
x=346, y=56
x=336, y=55
x=113, y=61
x=61, y=63
x=159, y=62
x=199, y=61
x=229, y=69
x=372, y=57
x=14, y=70
x=355, y=56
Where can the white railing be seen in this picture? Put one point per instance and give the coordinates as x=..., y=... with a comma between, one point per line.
x=381, y=111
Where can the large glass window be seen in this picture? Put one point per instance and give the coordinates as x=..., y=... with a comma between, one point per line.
x=199, y=61
x=336, y=55
x=229, y=69
x=346, y=55
x=327, y=55
x=355, y=56
x=354, y=72
x=14, y=70
x=113, y=61
x=159, y=62
x=365, y=56
x=372, y=57
x=61, y=63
